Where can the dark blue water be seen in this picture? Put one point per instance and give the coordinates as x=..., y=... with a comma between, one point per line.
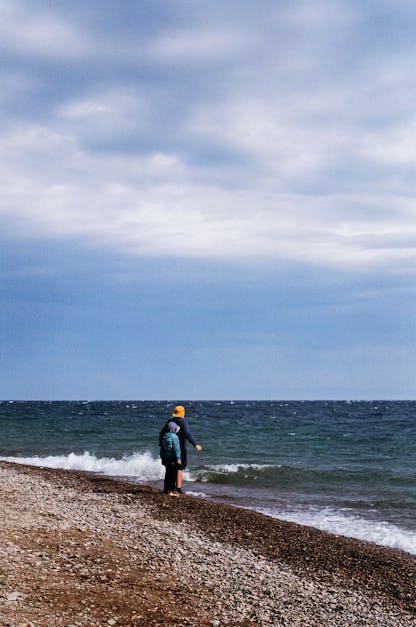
x=348, y=467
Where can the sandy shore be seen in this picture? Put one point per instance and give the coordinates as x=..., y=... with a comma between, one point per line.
x=82, y=550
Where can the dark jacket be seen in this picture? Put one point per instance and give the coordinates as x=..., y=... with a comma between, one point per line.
x=183, y=435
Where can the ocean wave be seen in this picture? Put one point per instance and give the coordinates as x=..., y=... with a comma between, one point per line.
x=143, y=467
x=284, y=476
x=232, y=473
x=140, y=466
x=352, y=526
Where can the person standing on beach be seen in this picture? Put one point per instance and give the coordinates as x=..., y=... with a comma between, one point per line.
x=185, y=435
x=170, y=453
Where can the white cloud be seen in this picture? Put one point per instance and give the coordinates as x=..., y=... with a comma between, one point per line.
x=252, y=139
x=321, y=18
x=112, y=113
x=30, y=30
x=272, y=134
x=84, y=109
x=155, y=206
x=395, y=146
x=196, y=46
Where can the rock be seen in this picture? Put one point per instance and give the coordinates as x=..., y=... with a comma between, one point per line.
x=13, y=596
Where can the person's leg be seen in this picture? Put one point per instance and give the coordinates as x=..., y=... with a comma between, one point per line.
x=166, y=481
x=181, y=468
x=171, y=481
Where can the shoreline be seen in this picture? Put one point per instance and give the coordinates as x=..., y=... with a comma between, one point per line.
x=185, y=561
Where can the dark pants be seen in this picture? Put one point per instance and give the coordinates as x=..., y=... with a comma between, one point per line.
x=170, y=476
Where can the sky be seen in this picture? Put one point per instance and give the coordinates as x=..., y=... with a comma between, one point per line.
x=209, y=199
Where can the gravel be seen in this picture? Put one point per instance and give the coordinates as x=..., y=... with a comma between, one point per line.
x=81, y=550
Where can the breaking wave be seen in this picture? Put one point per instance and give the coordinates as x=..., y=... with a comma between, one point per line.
x=144, y=467
x=140, y=466
x=327, y=519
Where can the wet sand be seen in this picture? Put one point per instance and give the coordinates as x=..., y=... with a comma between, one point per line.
x=77, y=549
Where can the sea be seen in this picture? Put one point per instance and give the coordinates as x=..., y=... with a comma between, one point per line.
x=347, y=467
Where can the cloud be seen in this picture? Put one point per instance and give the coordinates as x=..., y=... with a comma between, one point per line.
x=249, y=136
x=108, y=116
x=194, y=47
x=153, y=205
x=35, y=31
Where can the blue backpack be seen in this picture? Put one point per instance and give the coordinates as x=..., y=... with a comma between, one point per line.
x=167, y=442
x=168, y=445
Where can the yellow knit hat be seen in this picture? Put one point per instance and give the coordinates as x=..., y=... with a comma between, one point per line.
x=179, y=412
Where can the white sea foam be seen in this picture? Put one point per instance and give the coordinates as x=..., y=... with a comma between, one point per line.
x=205, y=473
x=233, y=468
x=352, y=526
x=141, y=466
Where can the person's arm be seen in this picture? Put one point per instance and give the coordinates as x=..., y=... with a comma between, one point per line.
x=188, y=435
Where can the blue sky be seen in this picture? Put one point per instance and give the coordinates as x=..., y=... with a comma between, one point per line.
x=207, y=199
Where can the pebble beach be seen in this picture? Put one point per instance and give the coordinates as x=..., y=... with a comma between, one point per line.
x=77, y=549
